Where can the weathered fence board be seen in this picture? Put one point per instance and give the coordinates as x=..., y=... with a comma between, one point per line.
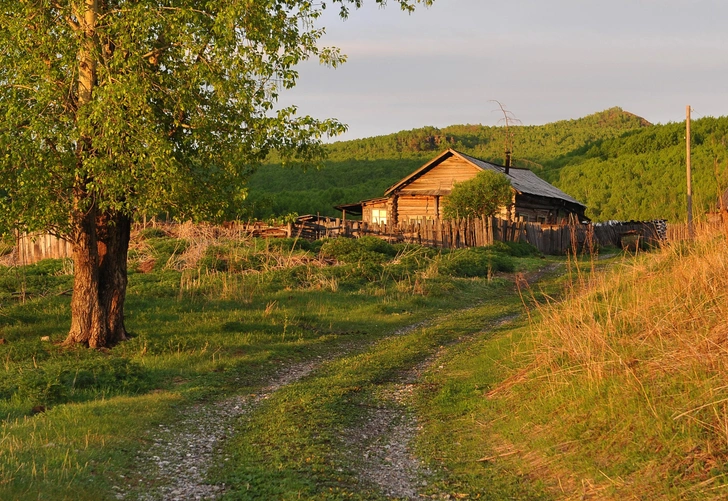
x=433, y=233
x=33, y=248
x=482, y=232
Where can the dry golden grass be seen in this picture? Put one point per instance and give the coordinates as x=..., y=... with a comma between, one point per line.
x=666, y=311
x=656, y=326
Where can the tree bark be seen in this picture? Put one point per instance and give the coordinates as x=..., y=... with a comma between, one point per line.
x=114, y=231
x=100, y=249
x=87, y=316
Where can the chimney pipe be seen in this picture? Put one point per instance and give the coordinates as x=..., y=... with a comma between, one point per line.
x=508, y=161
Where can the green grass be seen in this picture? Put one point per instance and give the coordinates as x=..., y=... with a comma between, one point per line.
x=199, y=333
x=293, y=447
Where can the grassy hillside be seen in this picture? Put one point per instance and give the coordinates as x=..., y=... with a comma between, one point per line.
x=364, y=168
x=615, y=392
x=617, y=163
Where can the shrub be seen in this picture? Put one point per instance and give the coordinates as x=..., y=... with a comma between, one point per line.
x=378, y=245
x=365, y=249
x=480, y=196
x=289, y=244
x=410, y=259
x=36, y=279
x=315, y=246
x=218, y=258
x=414, y=249
x=165, y=247
x=515, y=249
x=58, y=382
x=474, y=262
x=148, y=233
x=336, y=248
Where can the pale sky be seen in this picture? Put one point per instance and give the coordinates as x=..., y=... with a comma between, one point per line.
x=546, y=60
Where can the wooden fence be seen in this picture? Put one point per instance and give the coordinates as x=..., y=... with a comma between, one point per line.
x=30, y=249
x=549, y=239
x=433, y=233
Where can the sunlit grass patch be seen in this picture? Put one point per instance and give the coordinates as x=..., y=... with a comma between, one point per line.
x=614, y=390
x=294, y=445
x=77, y=451
x=200, y=330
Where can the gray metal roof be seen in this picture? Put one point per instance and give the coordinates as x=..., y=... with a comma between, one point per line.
x=523, y=180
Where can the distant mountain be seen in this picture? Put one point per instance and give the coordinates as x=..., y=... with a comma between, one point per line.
x=532, y=143
x=616, y=162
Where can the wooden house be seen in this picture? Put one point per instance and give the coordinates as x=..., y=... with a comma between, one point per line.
x=419, y=196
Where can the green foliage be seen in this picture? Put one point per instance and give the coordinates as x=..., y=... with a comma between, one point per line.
x=515, y=249
x=641, y=175
x=364, y=168
x=480, y=196
x=58, y=382
x=46, y=277
x=291, y=244
x=532, y=143
x=164, y=247
x=275, y=190
x=283, y=219
x=474, y=262
x=151, y=232
x=619, y=165
x=175, y=115
x=6, y=248
x=349, y=250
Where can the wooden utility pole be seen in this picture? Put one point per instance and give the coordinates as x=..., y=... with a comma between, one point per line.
x=689, y=171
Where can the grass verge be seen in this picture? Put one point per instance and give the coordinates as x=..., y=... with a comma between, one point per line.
x=616, y=391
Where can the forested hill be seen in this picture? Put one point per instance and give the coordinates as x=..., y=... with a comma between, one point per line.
x=641, y=174
x=600, y=159
x=533, y=143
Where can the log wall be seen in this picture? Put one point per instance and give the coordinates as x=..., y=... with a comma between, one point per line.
x=416, y=207
x=442, y=177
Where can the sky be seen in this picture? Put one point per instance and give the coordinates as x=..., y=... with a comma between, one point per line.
x=544, y=60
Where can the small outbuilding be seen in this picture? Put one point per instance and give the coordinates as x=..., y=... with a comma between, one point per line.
x=419, y=196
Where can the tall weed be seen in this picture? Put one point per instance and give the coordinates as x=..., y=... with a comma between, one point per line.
x=643, y=350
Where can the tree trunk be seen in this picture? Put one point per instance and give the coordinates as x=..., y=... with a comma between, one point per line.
x=114, y=233
x=87, y=316
x=100, y=248
x=100, y=240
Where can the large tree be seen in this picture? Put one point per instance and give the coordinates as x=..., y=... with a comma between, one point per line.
x=115, y=107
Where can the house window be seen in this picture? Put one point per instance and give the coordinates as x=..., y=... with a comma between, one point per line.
x=379, y=216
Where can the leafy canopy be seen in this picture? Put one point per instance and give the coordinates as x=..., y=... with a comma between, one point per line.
x=480, y=196
x=183, y=105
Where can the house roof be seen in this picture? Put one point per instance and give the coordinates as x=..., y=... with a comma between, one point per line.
x=522, y=180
